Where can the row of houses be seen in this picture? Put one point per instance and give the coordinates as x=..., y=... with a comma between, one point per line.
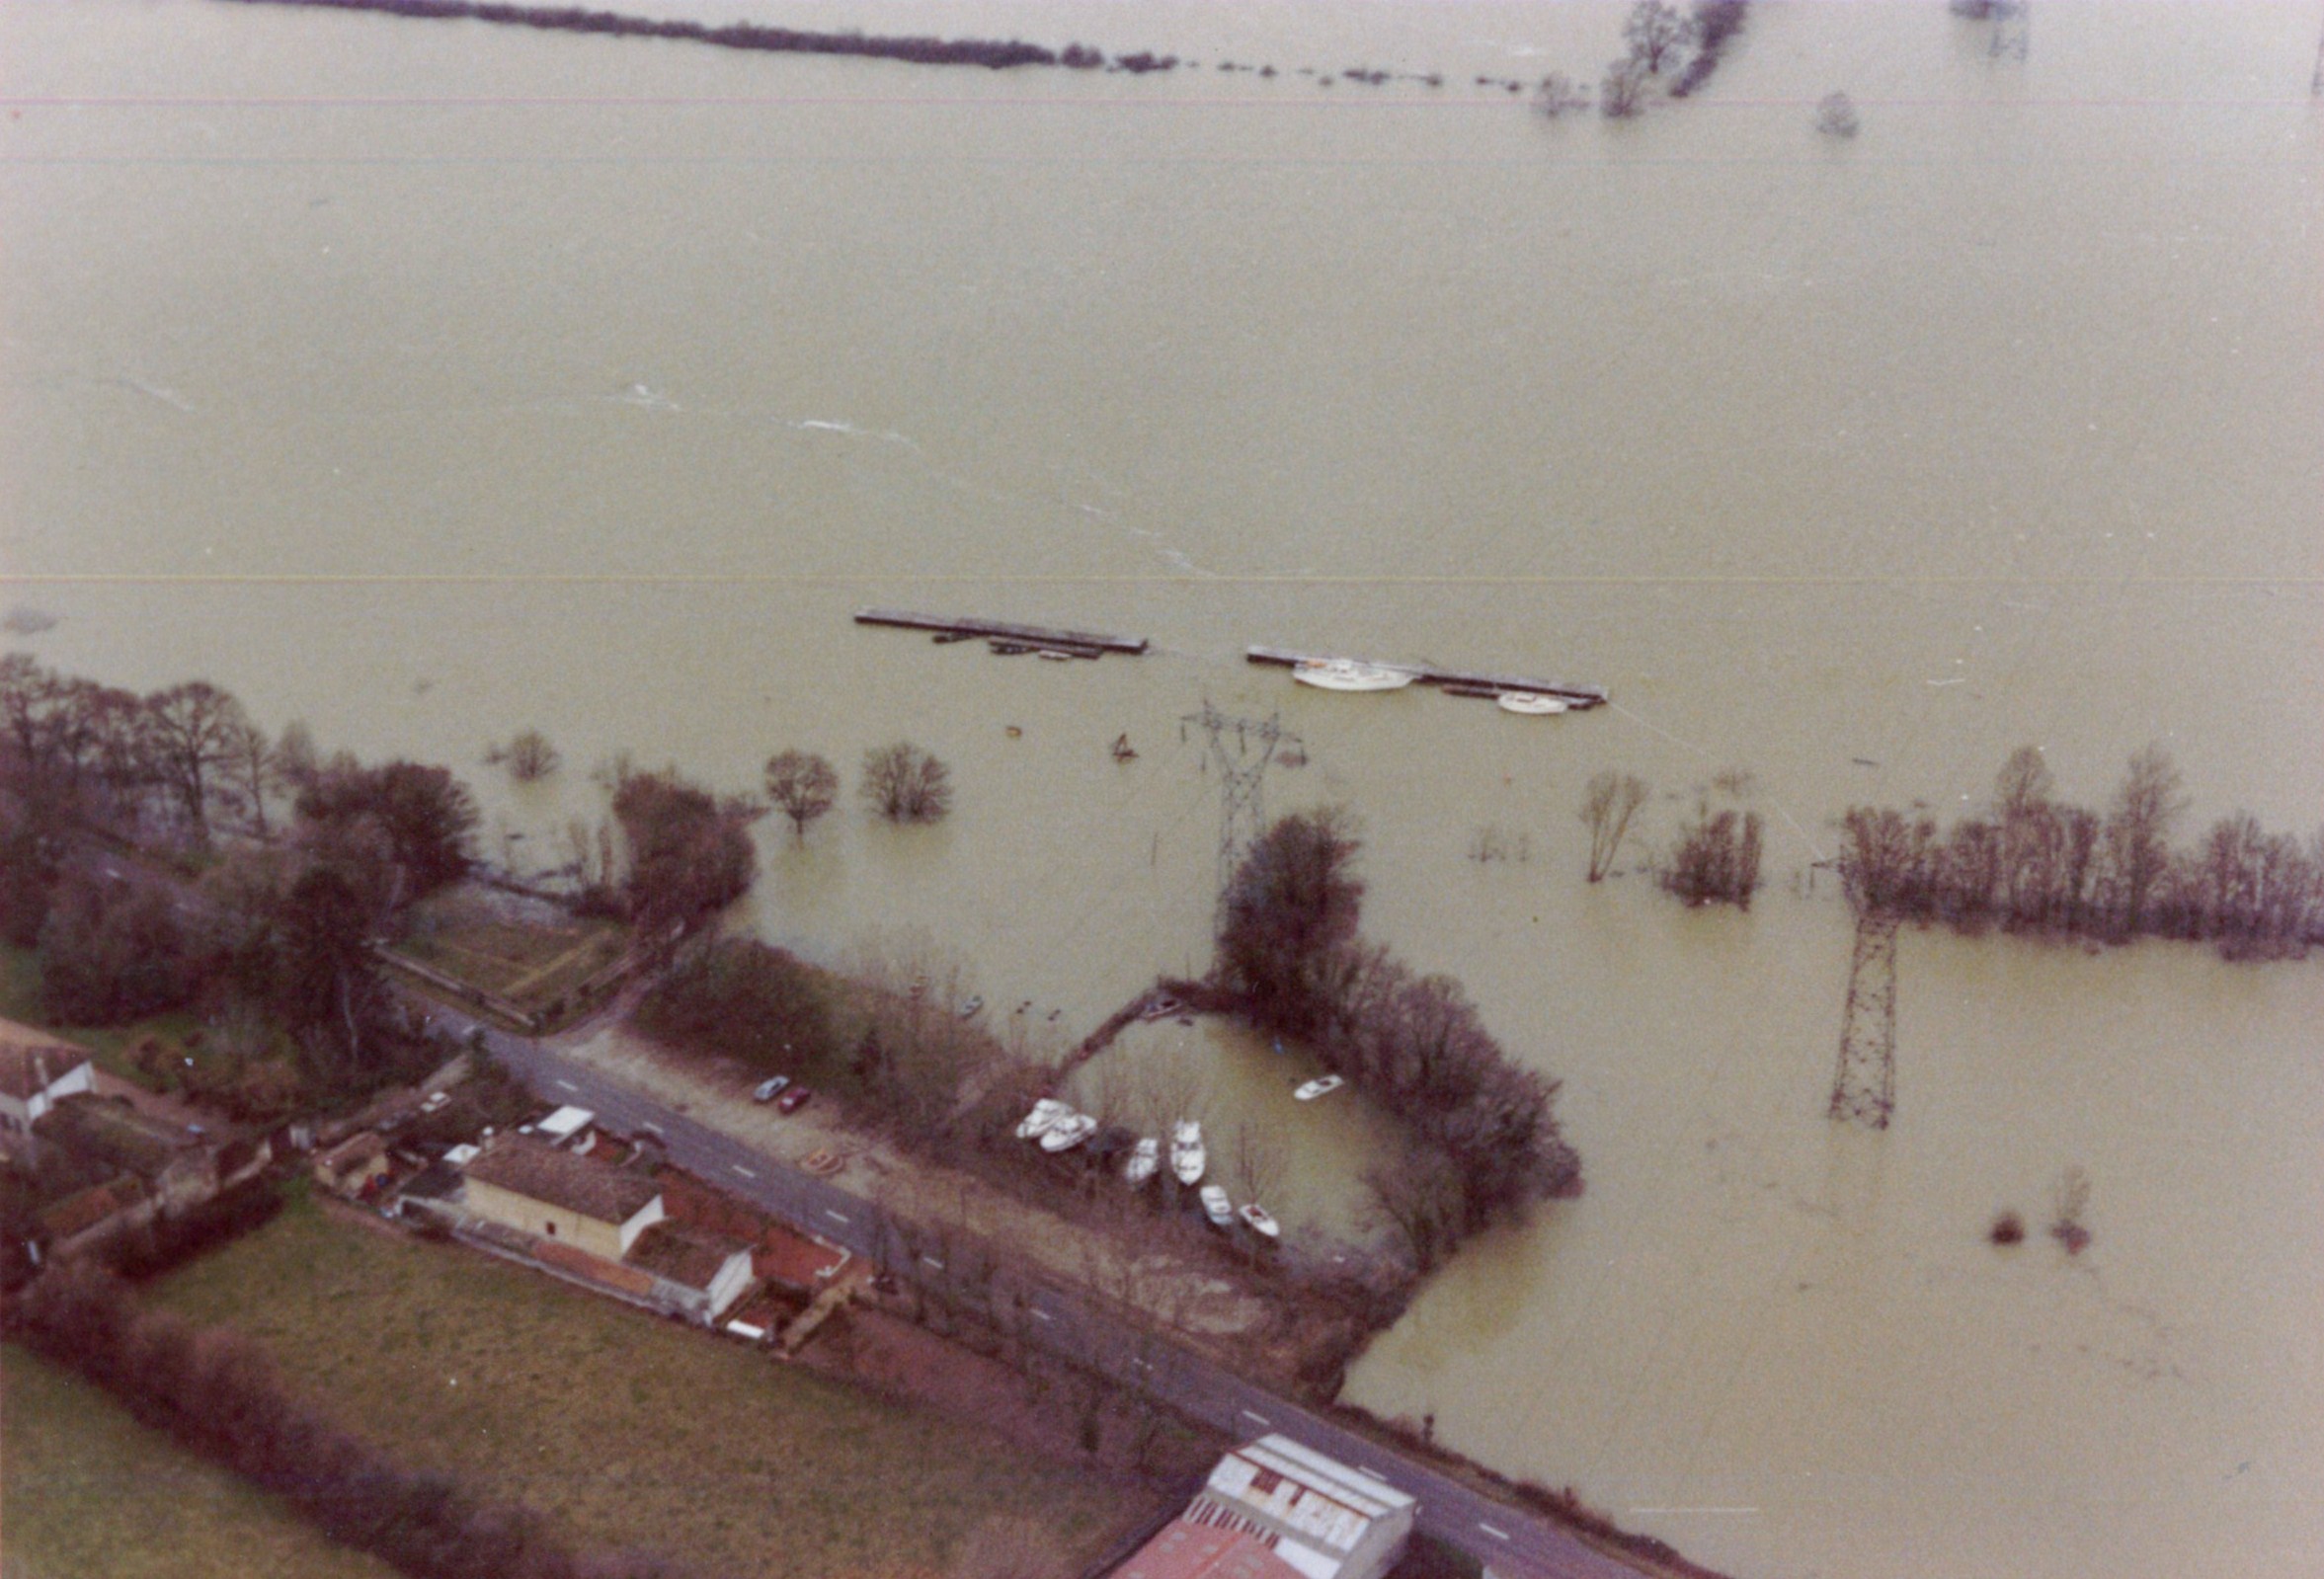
x=147, y=1167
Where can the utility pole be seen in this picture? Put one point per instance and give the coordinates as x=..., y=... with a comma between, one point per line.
x=1864, y=1086
x=1242, y=748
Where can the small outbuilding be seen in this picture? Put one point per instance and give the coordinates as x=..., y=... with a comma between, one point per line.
x=354, y=1165
x=693, y=1270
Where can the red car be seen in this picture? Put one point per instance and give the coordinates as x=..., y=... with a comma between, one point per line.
x=793, y=1100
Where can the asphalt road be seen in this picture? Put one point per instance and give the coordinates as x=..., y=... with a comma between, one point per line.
x=1065, y=1321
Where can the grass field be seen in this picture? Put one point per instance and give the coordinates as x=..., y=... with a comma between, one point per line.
x=86, y=1491
x=623, y=1429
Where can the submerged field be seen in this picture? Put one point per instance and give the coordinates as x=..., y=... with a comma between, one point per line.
x=86, y=1490
x=624, y=1430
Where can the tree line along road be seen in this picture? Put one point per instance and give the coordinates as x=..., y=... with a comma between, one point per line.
x=1062, y=1321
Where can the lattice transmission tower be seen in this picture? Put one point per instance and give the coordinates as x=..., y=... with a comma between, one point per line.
x=1242, y=748
x=1864, y=1086
x=2013, y=25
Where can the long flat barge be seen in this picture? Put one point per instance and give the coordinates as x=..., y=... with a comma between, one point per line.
x=1029, y=638
x=1464, y=682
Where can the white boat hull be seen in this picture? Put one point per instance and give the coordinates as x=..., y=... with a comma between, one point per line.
x=1349, y=675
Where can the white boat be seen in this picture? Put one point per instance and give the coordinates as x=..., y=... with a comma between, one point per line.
x=1187, y=1157
x=1350, y=674
x=1216, y=1207
x=1262, y=1224
x=1042, y=1119
x=1069, y=1132
x=1145, y=1159
x=1321, y=1085
x=1533, y=704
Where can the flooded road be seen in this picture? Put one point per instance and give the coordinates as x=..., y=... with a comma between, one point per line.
x=428, y=382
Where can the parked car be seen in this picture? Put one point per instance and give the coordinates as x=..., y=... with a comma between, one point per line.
x=767, y=1091
x=793, y=1099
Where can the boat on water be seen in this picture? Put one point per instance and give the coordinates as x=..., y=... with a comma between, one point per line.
x=1216, y=1206
x=1321, y=1085
x=1261, y=1221
x=1533, y=704
x=1069, y=1132
x=1187, y=1157
x=1044, y=1118
x=1144, y=1160
x=1351, y=674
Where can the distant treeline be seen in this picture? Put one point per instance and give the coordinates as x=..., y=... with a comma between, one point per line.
x=2032, y=863
x=997, y=55
x=216, y=1394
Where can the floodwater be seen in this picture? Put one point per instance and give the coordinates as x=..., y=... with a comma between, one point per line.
x=428, y=382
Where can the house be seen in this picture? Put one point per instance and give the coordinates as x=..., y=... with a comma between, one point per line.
x=36, y=1071
x=528, y=1185
x=177, y=1164
x=354, y=1165
x=695, y=1271
x=1274, y=1509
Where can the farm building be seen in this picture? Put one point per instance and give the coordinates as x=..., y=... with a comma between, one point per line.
x=179, y=1166
x=353, y=1164
x=36, y=1071
x=534, y=1188
x=1274, y=1509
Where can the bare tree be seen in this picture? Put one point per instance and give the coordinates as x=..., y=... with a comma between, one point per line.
x=193, y=729
x=249, y=758
x=1607, y=806
x=2138, y=830
x=1655, y=31
x=531, y=756
x=1255, y=1162
x=1623, y=94
x=1558, y=94
x=906, y=784
x=803, y=786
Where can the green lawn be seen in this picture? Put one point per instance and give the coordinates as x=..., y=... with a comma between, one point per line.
x=109, y=1046
x=623, y=1429
x=86, y=1492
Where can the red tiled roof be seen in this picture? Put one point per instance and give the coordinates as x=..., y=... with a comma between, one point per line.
x=540, y=1172
x=1185, y=1551
x=358, y=1148
x=793, y=1259
x=687, y=1257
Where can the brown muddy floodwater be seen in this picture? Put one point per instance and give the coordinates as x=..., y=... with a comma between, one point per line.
x=430, y=381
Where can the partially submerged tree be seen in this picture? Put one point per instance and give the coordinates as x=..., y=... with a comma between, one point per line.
x=191, y=731
x=906, y=784
x=803, y=787
x=1607, y=806
x=531, y=756
x=1291, y=905
x=1716, y=859
x=1655, y=32
x=426, y=815
x=689, y=853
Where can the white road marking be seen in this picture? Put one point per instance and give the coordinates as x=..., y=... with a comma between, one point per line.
x=1376, y=1474
x=651, y=1125
x=1043, y=1314
x=834, y=1215
x=1260, y=1418
x=567, y=1086
x=932, y=1261
x=1498, y=1535
x=745, y=1173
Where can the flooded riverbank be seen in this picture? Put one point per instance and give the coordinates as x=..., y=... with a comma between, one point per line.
x=431, y=383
